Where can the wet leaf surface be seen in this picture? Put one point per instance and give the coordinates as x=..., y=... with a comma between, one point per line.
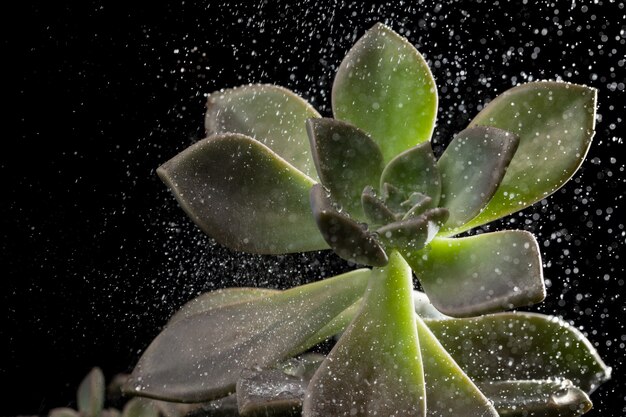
x=243, y=195
x=384, y=86
x=271, y=114
x=379, y=349
x=480, y=274
x=555, y=123
x=545, y=398
x=200, y=358
x=471, y=169
x=347, y=160
x=347, y=238
x=521, y=346
x=414, y=170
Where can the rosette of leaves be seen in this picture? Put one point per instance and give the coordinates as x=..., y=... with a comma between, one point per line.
x=274, y=177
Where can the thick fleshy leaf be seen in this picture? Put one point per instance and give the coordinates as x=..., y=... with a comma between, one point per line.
x=449, y=391
x=555, y=122
x=471, y=169
x=269, y=392
x=347, y=238
x=414, y=170
x=376, y=367
x=90, y=395
x=375, y=209
x=140, y=407
x=414, y=233
x=244, y=195
x=417, y=203
x=521, y=346
x=385, y=87
x=546, y=398
x=219, y=298
x=480, y=274
x=347, y=160
x=199, y=358
x=63, y=412
x=270, y=114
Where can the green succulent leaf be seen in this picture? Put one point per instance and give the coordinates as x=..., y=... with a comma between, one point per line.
x=199, y=358
x=63, y=412
x=269, y=392
x=414, y=170
x=414, y=233
x=140, y=407
x=90, y=395
x=418, y=204
x=270, y=114
x=472, y=168
x=347, y=160
x=547, y=398
x=219, y=298
x=555, y=122
x=384, y=86
x=347, y=238
x=521, y=346
x=449, y=391
x=380, y=349
x=242, y=194
x=375, y=209
x=480, y=274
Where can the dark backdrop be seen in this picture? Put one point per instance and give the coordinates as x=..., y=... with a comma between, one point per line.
x=95, y=253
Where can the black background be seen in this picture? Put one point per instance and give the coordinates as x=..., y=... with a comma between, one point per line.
x=95, y=253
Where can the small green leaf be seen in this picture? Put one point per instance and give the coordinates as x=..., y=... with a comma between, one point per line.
x=376, y=366
x=90, y=396
x=384, y=86
x=472, y=168
x=269, y=392
x=414, y=233
x=417, y=203
x=555, y=122
x=140, y=407
x=219, y=298
x=375, y=208
x=547, y=398
x=63, y=412
x=521, y=346
x=347, y=238
x=270, y=114
x=480, y=274
x=347, y=160
x=449, y=391
x=414, y=170
x=200, y=358
x=244, y=196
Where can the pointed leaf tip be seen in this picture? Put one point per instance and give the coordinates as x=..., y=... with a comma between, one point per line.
x=472, y=168
x=239, y=192
x=555, y=122
x=414, y=171
x=384, y=86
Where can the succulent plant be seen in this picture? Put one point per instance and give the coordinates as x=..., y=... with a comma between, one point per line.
x=274, y=177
